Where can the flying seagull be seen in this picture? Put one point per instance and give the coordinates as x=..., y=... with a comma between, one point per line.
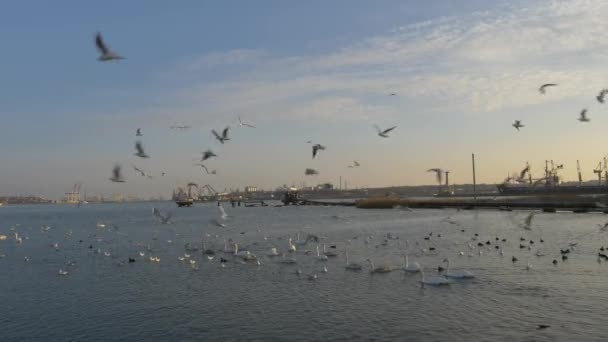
x=528, y=222
x=517, y=124
x=384, y=133
x=223, y=137
x=311, y=172
x=106, y=53
x=601, y=95
x=315, y=150
x=355, y=164
x=241, y=123
x=117, y=175
x=208, y=154
x=179, y=127
x=438, y=174
x=138, y=133
x=583, y=116
x=392, y=94
x=140, y=150
x=164, y=219
x=139, y=170
x=543, y=87
x=214, y=172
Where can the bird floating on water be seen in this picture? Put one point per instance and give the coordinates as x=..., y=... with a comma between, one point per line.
x=106, y=53
x=384, y=133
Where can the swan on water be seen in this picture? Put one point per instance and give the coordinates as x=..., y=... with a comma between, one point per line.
x=291, y=248
x=352, y=266
x=321, y=257
x=273, y=252
x=285, y=260
x=432, y=280
x=378, y=269
x=458, y=274
x=413, y=268
x=329, y=253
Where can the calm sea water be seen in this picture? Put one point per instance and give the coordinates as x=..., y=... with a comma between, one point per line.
x=105, y=298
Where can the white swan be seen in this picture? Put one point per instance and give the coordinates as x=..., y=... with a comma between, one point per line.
x=457, y=275
x=379, y=269
x=291, y=248
x=207, y=251
x=227, y=248
x=321, y=257
x=285, y=260
x=413, y=268
x=329, y=253
x=300, y=242
x=433, y=280
x=63, y=273
x=352, y=266
x=273, y=252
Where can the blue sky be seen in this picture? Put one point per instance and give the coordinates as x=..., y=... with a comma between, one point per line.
x=313, y=70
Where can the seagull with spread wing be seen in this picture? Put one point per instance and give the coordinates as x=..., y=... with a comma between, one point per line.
x=117, y=175
x=139, y=148
x=241, y=123
x=542, y=88
x=311, y=172
x=600, y=97
x=316, y=148
x=517, y=124
x=384, y=133
x=106, y=53
x=164, y=219
x=438, y=174
x=583, y=116
x=223, y=137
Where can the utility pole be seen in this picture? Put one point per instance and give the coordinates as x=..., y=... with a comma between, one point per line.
x=474, y=180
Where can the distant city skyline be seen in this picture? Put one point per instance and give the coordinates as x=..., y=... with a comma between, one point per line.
x=317, y=71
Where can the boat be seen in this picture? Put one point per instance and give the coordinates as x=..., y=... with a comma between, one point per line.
x=183, y=198
x=550, y=184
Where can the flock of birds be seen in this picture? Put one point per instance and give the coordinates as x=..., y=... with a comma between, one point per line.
x=106, y=55
x=601, y=98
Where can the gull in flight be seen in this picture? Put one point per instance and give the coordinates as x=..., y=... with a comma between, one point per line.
x=355, y=164
x=106, y=53
x=315, y=150
x=164, y=219
x=117, y=175
x=179, y=127
x=140, y=150
x=384, y=133
x=392, y=94
x=139, y=170
x=583, y=116
x=543, y=87
x=311, y=172
x=241, y=123
x=600, y=97
x=207, y=154
x=528, y=222
x=438, y=174
x=138, y=133
x=214, y=172
x=223, y=137
x=517, y=124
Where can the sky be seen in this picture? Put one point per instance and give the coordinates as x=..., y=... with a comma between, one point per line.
x=314, y=70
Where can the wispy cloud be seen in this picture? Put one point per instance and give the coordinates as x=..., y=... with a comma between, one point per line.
x=480, y=62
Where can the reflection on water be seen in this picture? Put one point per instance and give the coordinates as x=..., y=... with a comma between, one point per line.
x=104, y=297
